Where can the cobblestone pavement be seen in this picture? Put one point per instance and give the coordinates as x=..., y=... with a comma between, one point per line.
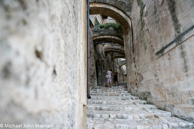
x=115, y=108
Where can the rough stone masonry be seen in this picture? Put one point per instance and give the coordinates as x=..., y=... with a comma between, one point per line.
x=162, y=53
x=43, y=63
x=43, y=57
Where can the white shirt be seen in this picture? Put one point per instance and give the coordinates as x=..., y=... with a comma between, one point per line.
x=109, y=73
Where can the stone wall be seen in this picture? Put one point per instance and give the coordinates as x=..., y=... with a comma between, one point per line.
x=160, y=57
x=43, y=62
x=93, y=57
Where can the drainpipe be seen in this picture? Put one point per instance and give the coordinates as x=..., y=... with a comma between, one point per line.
x=102, y=73
x=102, y=65
x=88, y=51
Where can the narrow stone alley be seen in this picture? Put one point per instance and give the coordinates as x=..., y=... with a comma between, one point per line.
x=115, y=108
x=58, y=57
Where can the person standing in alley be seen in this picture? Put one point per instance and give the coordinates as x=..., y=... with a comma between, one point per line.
x=115, y=79
x=109, y=79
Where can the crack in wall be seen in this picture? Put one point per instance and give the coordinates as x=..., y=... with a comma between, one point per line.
x=173, y=13
x=142, y=6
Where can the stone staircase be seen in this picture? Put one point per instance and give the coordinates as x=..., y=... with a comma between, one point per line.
x=115, y=108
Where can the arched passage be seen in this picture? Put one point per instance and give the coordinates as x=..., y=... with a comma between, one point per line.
x=107, y=38
x=116, y=57
x=145, y=41
x=101, y=38
x=115, y=13
x=114, y=50
x=123, y=5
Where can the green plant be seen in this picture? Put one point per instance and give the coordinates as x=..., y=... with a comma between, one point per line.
x=116, y=26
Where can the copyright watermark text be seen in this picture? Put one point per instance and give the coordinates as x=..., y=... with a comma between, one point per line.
x=26, y=126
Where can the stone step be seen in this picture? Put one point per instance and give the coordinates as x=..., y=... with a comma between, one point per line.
x=109, y=89
x=154, y=123
x=115, y=102
x=121, y=86
x=115, y=108
x=107, y=98
x=102, y=92
x=173, y=121
x=123, y=126
x=110, y=94
x=139, y=114
x=120, y=107
x=118, y=124
x=112, y=87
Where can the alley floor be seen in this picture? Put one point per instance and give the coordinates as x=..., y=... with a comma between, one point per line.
x=115, y=108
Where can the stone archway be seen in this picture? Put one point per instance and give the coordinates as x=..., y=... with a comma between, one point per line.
x=115, y=13
x=109, y=39
x=107, y=35
x=116, y=57
x=114, y=48
x=123, y=5
x=121, y=51
x=108, y=8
